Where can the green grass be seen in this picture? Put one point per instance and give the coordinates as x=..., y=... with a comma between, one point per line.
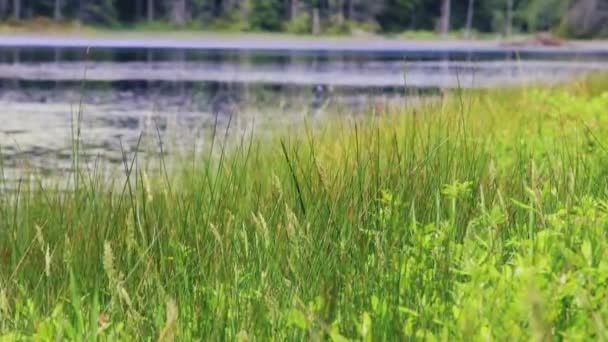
x=480, y=217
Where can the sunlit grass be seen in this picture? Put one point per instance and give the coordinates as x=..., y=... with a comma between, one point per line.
x=481, y=216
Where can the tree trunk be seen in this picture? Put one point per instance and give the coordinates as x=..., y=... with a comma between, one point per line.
x=509, y=24
x=294, y=9
x=316, y=21
x=350, y=9
x=17, y=9
x=178, y=13
x=82, y=7
x=341, y=12
x=584, y=16
x=444, y=21
x=139, y=10
x=150, y=10
x=3, y=8
x=245, y=8
x=469, y=24
x=57, y=10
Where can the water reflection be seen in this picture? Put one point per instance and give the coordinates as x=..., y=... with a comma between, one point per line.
x=183, y=95
x=37, y=117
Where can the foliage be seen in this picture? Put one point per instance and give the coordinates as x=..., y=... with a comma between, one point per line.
x=541, y=15
x=578, y=18
x=266, y=15
x=479, y=216
x=406, y=14
x=586, y=19
x=301, y=24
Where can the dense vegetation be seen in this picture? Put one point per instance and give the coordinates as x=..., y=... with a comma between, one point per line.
x=579, y=18
x=482, y=216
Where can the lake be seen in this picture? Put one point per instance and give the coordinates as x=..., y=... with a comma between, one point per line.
x=184, y=93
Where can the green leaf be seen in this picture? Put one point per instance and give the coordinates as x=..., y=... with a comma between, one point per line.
x=408, y=311
x=366, y=326
x=297, y=318
x=337, y=337
x=522, y=205
x=587, y=252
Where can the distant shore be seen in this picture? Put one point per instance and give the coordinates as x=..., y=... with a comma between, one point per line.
x=269, y=41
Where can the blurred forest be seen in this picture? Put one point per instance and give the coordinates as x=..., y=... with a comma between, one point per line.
x=570, y=18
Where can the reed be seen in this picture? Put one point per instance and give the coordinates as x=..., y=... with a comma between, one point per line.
x=480, y=216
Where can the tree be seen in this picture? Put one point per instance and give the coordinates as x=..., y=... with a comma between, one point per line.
x=266, y=15
x=350, y=13
x=81, y=10
x=293, y=9
x=102, y=12
x=469, y=23
x=57, y=10
x=150, y=10
x=339, y=4
x=3, y=8
x=509, y=22
x=17, y=9
x=178, y=13
x=578, y=18
x=444, y=20
x=139, y=10
x=316, y=21
x=397, y=15
x=587, y=18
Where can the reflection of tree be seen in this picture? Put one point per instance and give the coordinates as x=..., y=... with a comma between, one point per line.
x=57, y=59
x=16, y=56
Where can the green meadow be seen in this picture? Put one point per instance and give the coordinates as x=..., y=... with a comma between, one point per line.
x=482, y=215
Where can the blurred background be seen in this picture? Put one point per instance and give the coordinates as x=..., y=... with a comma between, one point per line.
x=571, y=18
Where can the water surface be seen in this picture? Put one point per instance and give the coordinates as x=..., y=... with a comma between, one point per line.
x=185, y=94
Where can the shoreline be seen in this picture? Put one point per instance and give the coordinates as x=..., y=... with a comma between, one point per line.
x=284, y=42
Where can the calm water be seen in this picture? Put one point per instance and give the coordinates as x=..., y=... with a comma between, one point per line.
x=183, y=94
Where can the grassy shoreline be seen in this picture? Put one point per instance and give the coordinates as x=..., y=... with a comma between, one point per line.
x=50, y=28
x=483, y=216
